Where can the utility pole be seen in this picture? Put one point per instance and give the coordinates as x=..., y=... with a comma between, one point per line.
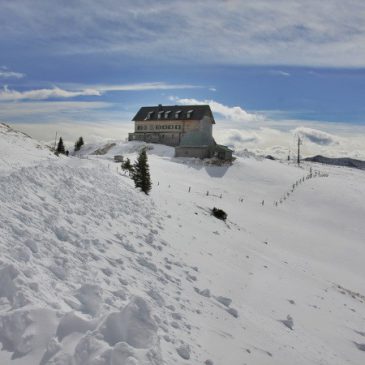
x=55, y=142
x=299, y=143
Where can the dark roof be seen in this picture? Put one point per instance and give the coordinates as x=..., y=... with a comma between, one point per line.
x=151, y=112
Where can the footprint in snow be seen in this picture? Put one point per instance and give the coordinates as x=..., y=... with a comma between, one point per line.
x=184, y=351
x=360, y=333
x=360, y=346
x=288, y=322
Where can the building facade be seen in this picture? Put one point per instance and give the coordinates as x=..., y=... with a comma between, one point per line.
x=188, y=128
x=168, y=124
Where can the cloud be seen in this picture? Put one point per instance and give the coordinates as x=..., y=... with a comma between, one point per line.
x=99, y=121
x=7, y=94
x=10, y=74
x=42, y=94
x=144, y=87
x=13, y=111
x=279, y=73
x=264, y=135
x=266, y=32
x=235, y=113
x=316, y=136
x=69, y=131
x=279, y=143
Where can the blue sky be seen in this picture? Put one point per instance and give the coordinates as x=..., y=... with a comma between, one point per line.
x=266, y=67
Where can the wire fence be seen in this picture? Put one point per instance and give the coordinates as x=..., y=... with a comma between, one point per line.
x=240, y=198
x=309, y=176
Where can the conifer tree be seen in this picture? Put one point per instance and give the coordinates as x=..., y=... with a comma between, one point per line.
x=60, y=147
x=127, y=166
x=79, y=143
x=141, y=173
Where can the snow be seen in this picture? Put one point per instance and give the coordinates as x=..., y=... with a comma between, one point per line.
x=93, y=271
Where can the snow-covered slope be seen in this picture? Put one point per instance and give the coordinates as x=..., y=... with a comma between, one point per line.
x=95, y=272
x=19, y=150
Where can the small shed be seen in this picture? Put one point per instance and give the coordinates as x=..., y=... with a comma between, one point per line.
x=223, y=152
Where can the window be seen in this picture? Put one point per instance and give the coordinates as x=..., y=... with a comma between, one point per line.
x=167, y=113
x=189, y=113
x=149, y=116
x=159, y=115
x=177, y=114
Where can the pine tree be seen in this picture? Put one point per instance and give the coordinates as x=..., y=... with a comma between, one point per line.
x=60, y=147
x=141, y=173
x=127, y=166
x=79, y=143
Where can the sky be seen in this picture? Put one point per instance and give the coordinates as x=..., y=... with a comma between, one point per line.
x=270, y=69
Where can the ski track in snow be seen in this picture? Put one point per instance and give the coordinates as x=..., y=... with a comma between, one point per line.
x=94, y=272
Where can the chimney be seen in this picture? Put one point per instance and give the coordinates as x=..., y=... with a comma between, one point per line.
x=159, y=106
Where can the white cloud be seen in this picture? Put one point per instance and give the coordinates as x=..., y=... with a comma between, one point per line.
x=279, y=73
x=235, y=127
x=11, y=74
x=235, y=113
x=286, y=32
x=316, y=136
x=279, y=143
x=240, y=129
x=143, y=87
x=70, y=131
x=262, y=138
x=7, y=94
x=10, y=110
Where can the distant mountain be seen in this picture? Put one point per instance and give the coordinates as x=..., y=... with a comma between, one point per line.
x=342, y=161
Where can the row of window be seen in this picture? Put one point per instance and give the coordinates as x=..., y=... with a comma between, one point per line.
x=157, y=127
x=166, y=114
